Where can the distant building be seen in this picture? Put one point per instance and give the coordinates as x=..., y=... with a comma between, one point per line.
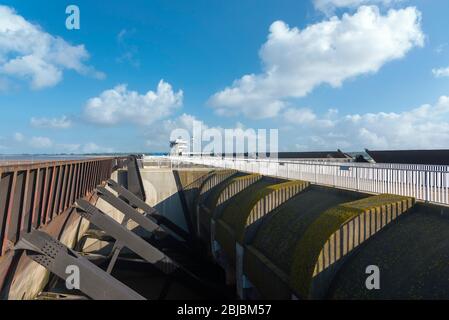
x=431, y=157
x=178, y=147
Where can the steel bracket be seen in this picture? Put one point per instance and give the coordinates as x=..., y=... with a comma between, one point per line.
x=126, y=237
x=148, y=210
x=54, y=256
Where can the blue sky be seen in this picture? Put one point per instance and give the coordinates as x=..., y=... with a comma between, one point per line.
x=378, y=80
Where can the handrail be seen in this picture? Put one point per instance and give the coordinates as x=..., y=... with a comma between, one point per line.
x=426, y=183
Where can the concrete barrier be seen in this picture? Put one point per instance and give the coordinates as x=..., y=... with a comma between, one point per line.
x=273, y=238
x=322, y=249
x=210, y=182
x=264, y=201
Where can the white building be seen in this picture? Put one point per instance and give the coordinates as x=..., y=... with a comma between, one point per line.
x=178, y=147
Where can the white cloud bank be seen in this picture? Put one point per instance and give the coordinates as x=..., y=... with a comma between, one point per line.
x=120, y=105
x=425, y=127
x=51, y=123
x=28, y=52
x=41, y=142
x=330, y=52
x=328, y=6
x=441, y=72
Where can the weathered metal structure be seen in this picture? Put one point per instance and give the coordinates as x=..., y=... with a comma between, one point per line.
x=40, y=196
x=32, y=194
x=47, y=208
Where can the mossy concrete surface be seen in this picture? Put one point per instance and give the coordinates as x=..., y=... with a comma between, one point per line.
x=412, y=254
x=310, y=245
x=272, y=197
x=278, y=236
x=233, y=218
x=211, y=200
x=237, y=212
x=208, y=204
x=192, y=178
x=269, y=280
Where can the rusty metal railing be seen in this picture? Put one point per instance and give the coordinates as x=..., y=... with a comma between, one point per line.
x=33, y=194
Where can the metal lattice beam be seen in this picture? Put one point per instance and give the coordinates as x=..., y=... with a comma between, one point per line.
x=56, y=257
x=148, y=210
x=129, y=239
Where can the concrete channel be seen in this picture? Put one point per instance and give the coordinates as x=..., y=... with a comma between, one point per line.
x=214, y=233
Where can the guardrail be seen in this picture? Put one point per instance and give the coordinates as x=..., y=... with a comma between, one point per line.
x=426, y=183
x=32, y=194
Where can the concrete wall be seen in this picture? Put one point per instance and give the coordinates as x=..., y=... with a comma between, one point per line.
x=161, y=190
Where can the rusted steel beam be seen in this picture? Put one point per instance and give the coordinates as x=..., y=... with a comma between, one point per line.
x=57, y=192
x=49, y=203
x=33, y=194
x=66, y=189
x=37, y=198
x=45, y=191
x=25, y=215
x=84, y=180
x=43, y=164
x=74, y=183
x=7, y=219
x=63, y=193
x=78, y=180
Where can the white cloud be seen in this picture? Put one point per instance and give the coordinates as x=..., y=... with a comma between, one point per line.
x=441, y=72
x=329, y=52
x=79, y=148
x=94, y=148
x=18, y=137
x=328, y=6
x=54, y=123
x=28, y=52
x=69, y=147
x=129, y=52
x=425, y=127
x=41, y=142
x=299, y=116
x=120, y=105
x=158, y=136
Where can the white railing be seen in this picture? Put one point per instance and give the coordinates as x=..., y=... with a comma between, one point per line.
x=426, y=183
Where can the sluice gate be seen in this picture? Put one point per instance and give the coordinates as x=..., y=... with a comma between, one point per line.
x=101, y=203
x=139, y=230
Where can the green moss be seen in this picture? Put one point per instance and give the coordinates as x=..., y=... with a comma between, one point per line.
x=234, y=216
x=414, y=251
x=191, y=178
x=212, y=199
x=237, y=212
x=376, y=201
x=271, y=282
x=310, y=244
x=278, y=235
x=225, y=236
